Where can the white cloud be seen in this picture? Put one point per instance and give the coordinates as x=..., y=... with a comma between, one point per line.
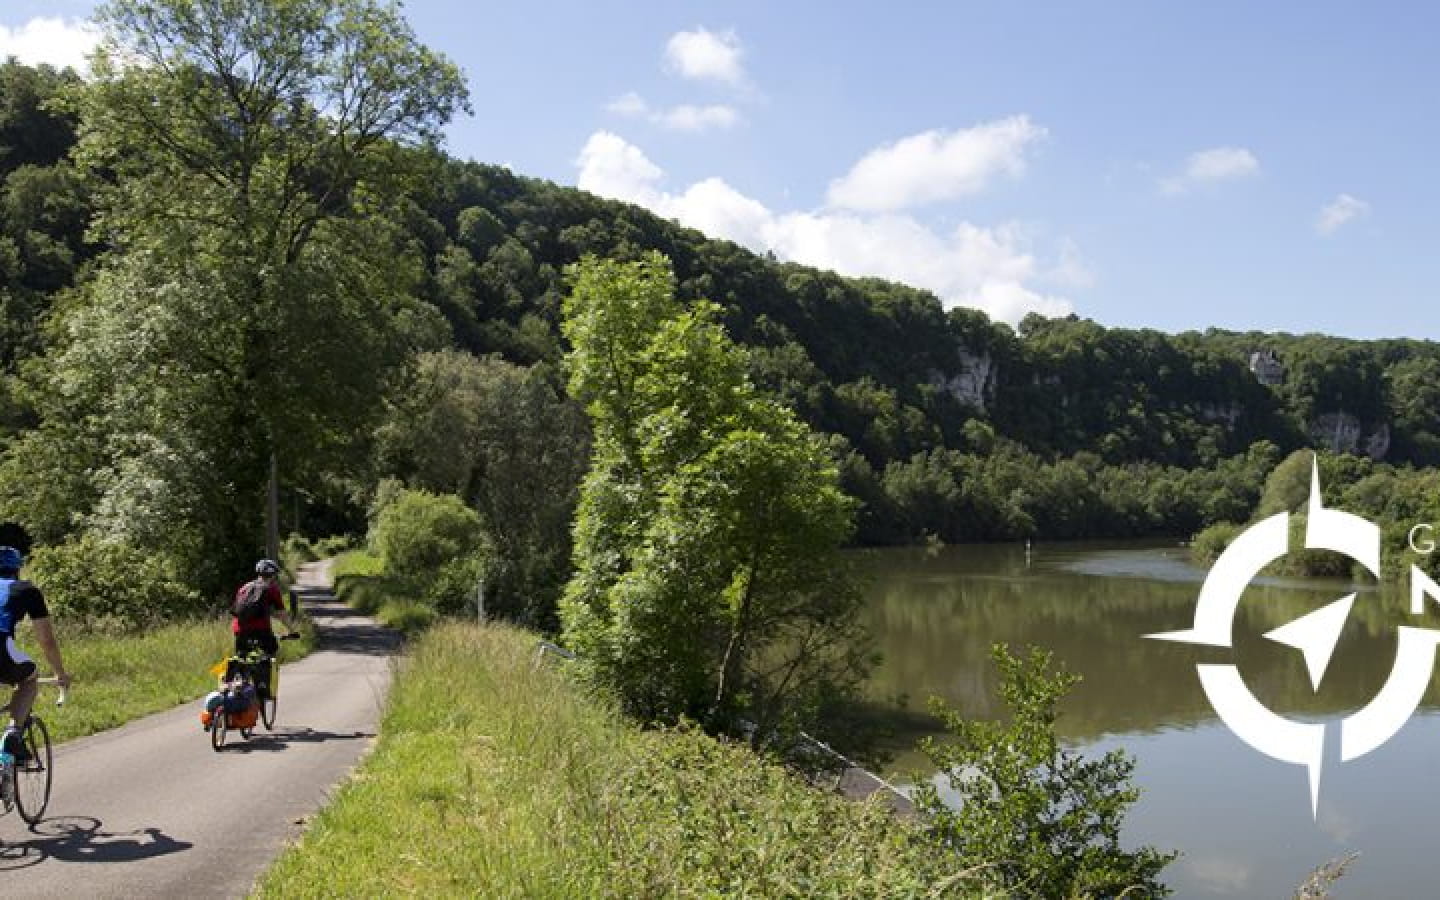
x=935, y=166
x=685, y=117
x=706, y=55
x=630, y=104
x=970, y=265
x=698, y=118
x=55, y=41
x=717, y=209
x=612, y=167
x=1208, y=166
x=1341, y=210
x=1071, y=270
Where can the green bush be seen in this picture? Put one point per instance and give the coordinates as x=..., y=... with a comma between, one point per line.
x=1210, y=543
x=334, y=545
x=453, y=589
x=295, y=551
x=1046, y=820
x=110, y=586
x=418, y=534
x=1304, y=563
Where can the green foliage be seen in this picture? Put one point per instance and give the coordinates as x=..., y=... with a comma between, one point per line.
x=452, y=590
x=334, y=545
x=781, y=837
x=1212, y=541
x=420, y=533
x=507, y=440
x=111, y=586
x=295, y=551
x=707, y=583
x=356, y=562
x=1046, y=819
x=360, y=581
x=255, y=296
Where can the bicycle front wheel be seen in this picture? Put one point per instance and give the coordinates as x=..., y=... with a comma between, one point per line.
x=32, y=778
x=272, y=697
x=217, y=728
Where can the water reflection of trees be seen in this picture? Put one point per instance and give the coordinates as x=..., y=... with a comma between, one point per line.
x=935, y=616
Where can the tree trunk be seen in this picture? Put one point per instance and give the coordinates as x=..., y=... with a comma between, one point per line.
x=734, y=660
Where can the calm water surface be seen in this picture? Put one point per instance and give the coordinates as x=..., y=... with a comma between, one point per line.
x=1241, y=820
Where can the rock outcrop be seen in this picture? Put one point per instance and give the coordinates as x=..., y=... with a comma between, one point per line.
x=974, y=384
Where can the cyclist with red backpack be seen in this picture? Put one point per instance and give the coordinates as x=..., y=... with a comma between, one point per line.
x=255, y=603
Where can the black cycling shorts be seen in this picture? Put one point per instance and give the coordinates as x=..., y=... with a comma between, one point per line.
x=264, y=641
x=15, y=666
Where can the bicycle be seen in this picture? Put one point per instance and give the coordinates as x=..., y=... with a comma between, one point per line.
x=27, y=787
x=240, y=672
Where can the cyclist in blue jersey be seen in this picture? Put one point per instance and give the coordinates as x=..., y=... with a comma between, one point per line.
x=19, y=599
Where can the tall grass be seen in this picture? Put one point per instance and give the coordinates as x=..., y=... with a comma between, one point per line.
x=361, y=582
x=495, y=779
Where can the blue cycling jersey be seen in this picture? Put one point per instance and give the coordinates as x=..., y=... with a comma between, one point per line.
x=19, y=599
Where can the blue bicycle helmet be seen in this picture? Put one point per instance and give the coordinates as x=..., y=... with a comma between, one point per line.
x=10, y=559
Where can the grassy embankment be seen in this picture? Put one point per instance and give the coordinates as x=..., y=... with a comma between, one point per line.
x=360, y=581
x=120, y=677
x=495, y=778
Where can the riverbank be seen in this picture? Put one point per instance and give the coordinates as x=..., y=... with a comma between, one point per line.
x=493, y=777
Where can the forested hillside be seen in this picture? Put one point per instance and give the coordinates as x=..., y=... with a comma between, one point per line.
x=944, y=422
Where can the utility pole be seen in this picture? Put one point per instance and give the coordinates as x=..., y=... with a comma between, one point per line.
x=272, y=511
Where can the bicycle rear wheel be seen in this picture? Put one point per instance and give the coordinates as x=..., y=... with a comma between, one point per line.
x=32, y=779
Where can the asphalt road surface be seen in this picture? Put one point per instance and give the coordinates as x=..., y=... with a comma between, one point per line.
x=150, y=810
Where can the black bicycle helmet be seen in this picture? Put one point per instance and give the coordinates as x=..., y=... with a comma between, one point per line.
x=267, y=567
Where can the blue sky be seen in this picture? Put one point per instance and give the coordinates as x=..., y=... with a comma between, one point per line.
x=1173, y=166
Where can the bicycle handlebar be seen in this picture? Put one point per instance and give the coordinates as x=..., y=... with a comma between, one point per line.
x=64, y=690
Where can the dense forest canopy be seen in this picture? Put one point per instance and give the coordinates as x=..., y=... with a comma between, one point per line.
x=943, y=422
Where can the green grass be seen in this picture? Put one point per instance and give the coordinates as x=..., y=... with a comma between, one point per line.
x=361, y=582
x=118, y=678
x=495, y=779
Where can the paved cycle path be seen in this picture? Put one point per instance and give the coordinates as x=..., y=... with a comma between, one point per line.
x=150, y=810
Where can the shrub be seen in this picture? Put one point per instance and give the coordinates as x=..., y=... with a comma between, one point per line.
x=418, y=534
x=295, y=551
x=1210, y=543
x=334, y=545
x=109, y=585
x=1046, y=819
x=453, y=589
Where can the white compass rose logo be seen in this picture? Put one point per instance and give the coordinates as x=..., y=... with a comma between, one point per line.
x=1314, y=635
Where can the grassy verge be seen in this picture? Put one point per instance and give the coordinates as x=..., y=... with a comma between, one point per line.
x=122, y=677
x=498, y=780
x=360, y=582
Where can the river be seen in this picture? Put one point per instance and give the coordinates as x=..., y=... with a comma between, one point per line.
x=1242, y=821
